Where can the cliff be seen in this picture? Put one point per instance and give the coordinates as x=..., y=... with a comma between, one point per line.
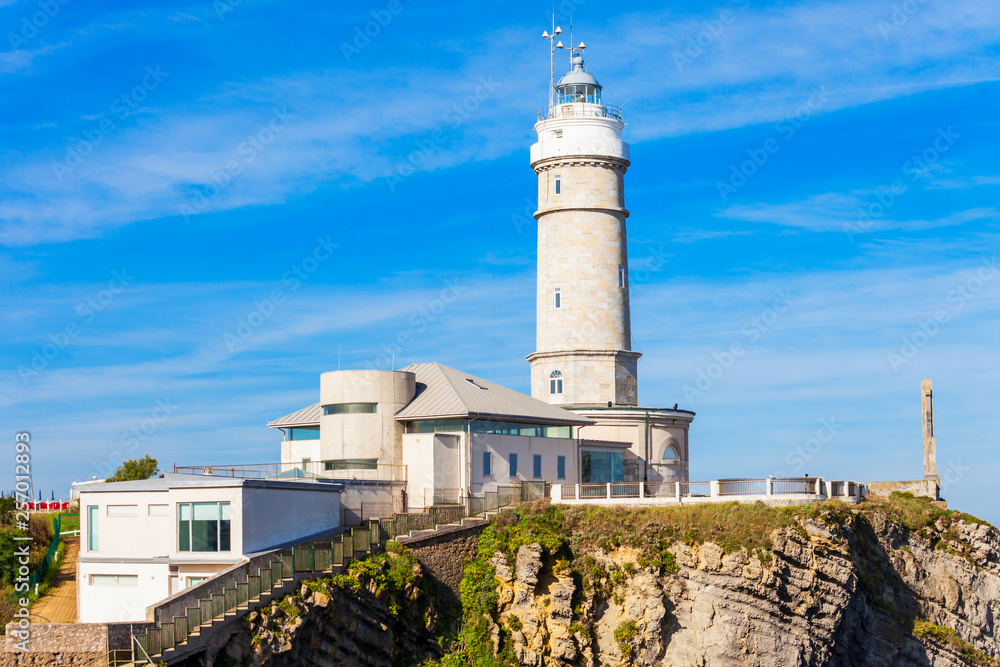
x=891, y=582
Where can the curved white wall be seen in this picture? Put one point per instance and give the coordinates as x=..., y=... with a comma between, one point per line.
x=366, y=435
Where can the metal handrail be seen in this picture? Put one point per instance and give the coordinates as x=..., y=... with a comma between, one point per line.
x=580, y=110
x=312, y=470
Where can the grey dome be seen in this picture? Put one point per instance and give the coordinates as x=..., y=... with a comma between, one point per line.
x=577, y=76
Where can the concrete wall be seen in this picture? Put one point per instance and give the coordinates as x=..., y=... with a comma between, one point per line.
x=145, y=536
x=64, y=643
x=501, y=446
x=293, y=451
x=433, y=461
x=102, y=604
x=922, y=488
x=364, y=436
x=273, y=516
x=370, y=500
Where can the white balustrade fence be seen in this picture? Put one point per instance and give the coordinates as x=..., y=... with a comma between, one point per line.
x=784, y=491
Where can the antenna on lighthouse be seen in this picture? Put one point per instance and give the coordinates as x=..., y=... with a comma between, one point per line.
x=556, y=30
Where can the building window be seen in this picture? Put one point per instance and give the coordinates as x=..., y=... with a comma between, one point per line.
x=621, y=276
x=558, y=184
x=598, y=466
x=304, y=433
x=488, y=426
x=194, y=581
x=487, y=464
x=158, y=510
x=351, y=464
x=114, y=580
x=555, y=382
x=350, y=408
x=536, y=466
x=123, y=510
x=561, y=467
x=670, y=451
x=513, y=465
x=557, y=134
x=558, y=298
x=203, y=527
x=92, y=512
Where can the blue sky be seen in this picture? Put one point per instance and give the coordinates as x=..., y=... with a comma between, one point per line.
x=203, y=206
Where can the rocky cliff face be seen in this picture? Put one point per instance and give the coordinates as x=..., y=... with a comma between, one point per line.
x=882, y=586
x=869, y=593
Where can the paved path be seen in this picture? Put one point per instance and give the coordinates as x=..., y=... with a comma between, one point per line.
x=59, y=604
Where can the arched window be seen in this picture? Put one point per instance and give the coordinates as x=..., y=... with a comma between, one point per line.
x=555, y=382
x=670, y=451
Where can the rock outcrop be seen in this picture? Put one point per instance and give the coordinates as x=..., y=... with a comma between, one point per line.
x=837, y=589
x=824, y=595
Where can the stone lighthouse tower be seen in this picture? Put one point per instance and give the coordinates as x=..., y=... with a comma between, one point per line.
x=584, y=360
x=583, y=345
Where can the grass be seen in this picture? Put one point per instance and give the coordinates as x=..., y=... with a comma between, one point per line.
x=70, y=522
x=948, y=637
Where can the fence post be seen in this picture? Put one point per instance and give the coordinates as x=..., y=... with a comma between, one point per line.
x=713, y=488
x=770, y=486
x=677, y=491
x=642, y=490
x=609, y=491
x=557, y=493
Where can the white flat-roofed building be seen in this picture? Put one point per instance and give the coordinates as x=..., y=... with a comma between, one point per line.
x=144, y=541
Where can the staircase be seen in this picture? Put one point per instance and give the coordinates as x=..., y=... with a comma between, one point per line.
x=184, y=636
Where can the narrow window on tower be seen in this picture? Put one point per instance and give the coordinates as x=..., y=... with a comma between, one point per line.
x=558, y=184
x=621, y=276
x=556, y=382
x=558, y=134
x=558, y=299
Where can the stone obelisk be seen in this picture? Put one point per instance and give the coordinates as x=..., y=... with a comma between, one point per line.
x=930, y=448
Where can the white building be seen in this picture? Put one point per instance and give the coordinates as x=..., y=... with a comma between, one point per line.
x=448, y=434
x=144, y=541
x=584, y=360
x=452, y=434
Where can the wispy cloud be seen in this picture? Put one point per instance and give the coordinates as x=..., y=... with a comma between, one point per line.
x=838, y=212
x=348, y=127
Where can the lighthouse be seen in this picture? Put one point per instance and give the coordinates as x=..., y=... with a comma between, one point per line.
x=583, y=359
x=583, y=346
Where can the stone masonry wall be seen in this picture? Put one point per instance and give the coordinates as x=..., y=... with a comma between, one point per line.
x=443, y=556
x=55, y=644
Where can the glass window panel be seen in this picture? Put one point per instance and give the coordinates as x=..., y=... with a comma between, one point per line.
x=487, y=463
x=159, y=510
x=128, y=580
x=513, y=465
x=536, y=465
x=224, y=510
x=92, y=512
x=206, y=511
x=123, y=510
x=598, y=467
x=103, y=579
x=561, y=467
x=184, y=527
x=205, y=535
x=350, y=408
x=304, y=433
x=224, y=535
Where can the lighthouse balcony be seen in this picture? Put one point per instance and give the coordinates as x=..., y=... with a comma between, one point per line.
x=580, y=109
